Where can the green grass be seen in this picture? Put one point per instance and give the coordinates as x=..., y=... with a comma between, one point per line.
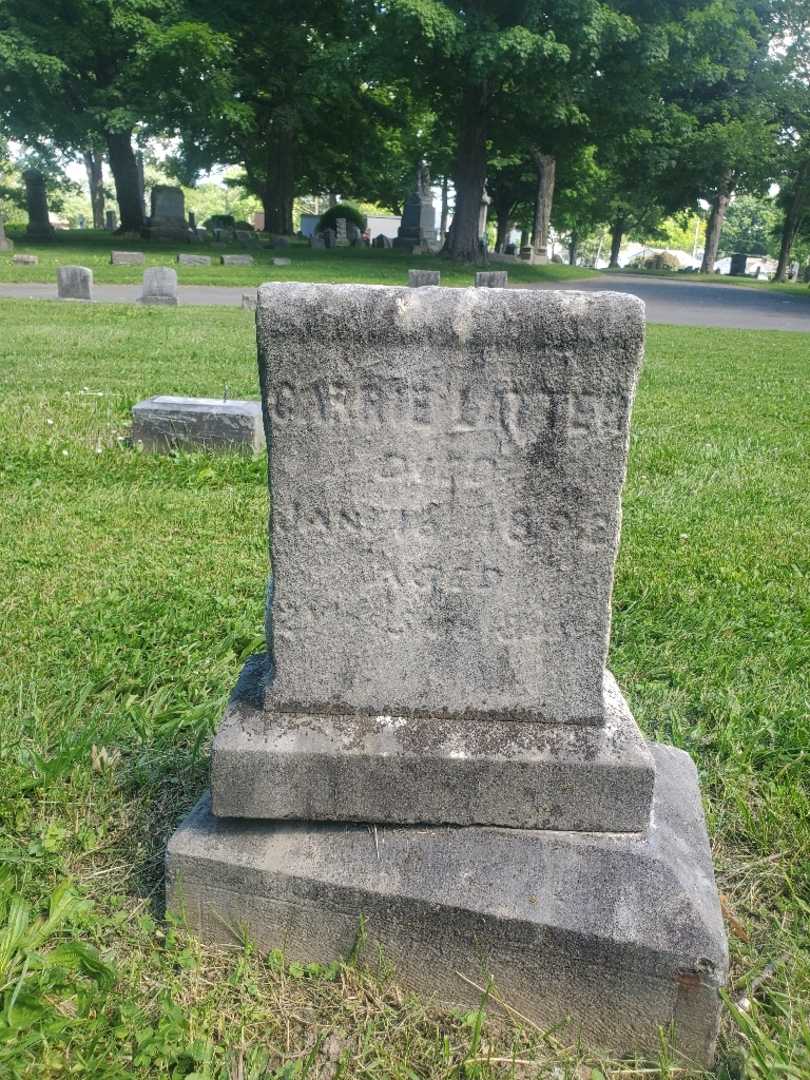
x=384, y=267
x=132, y=592
x=796, y=289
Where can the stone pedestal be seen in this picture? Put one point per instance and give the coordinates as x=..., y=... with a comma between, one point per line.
x=167, y=220
x=446, y=475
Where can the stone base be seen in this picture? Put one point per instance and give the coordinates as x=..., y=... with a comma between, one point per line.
x=163, y=423
x=408, y=770
x=610, y=937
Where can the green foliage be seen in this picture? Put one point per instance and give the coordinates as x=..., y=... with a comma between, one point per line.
x=752, y=226
x=349, y=211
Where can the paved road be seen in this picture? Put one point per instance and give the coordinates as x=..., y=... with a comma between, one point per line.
x=681, y=302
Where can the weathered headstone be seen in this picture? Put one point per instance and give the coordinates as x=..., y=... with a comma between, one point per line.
x=739, y=261
x=317, y=241
x=418, y=278
x=110, y=220
x=159, y=286
x=193, y=260
x=329, y=238
x=25, y=260
x=418, y=222
x=354, y=235
x=236, y=260
x=341, y=233
x=166, y=423
x=445, y=519
x=74, y=283
x=167, y=220
x=36, y=201
x=5, y=243
x=245, y=236
x=126, y=258
x=381, y=241
x=192, y=221
x=279, y=241
x=282, y=262
x=491, y=279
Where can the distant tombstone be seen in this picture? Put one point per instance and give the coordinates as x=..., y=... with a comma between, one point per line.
x=418, y=278
x=126, y=258
x=555, y=258
x=282, y=262
x=317, y=241
x=510, y=249
x=738, y=264
x=36, y=201
x=25, y=260
x=202, y=234
x=110, y=221
x=381, y=241
x=341, y=233
x=194, y=260
x=168, y=217
x=354, y=235
x=164, y=423
x=245, y=236
x=279, y=241
x=329, y=238
x=236, y=260
x=491, y=279
x=192, y=221
x=159, y=286
x=74, y=283
x=5, y=243
x=418, y=223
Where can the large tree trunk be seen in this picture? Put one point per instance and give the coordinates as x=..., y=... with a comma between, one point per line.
x=445, y=209
x=616, y=237
x=790, y=226
x=95, y=181
x=469, y=177
x=127, y=182
x=717, y=215
x=278, y=206
x=503, y=204
x=546, y=175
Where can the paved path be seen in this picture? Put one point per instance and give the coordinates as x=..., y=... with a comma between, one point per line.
x=681, y=302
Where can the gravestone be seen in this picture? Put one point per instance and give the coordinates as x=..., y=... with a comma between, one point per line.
x=194, y=260
x=192, y=221
x=445, y=520
x=341, y=234
x=354, y=235
x=74, y=283
x=126, y=258
x=5, y=243
x=165, y=423
x=167, y=220
x=279, y=241
x=418, y=278
x=278, y=261
x=36, y=201
x=317, y=241
x=110, y=221
x=25, y=260
x=739, y=262
x=236, y=260
x=381, y=241
x=418, y=222
x=159, y=286
x=491, y=279
x=245, y=236
x=329, y=238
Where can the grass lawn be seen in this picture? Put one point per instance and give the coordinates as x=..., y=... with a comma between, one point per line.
x=796, y=289
x=383, y=267
x=132, y=592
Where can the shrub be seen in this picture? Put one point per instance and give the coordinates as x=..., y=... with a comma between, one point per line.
x=659, y=260
x=244, y=226
x=220, y=221
x=345, y=210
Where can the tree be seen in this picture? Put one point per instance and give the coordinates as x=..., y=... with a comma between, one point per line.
x=92, y=71
x=497, y=73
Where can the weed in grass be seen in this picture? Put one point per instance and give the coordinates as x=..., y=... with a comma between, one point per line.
x=132, y=591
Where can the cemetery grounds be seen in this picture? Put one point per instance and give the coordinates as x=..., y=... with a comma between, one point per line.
x=132, y=592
